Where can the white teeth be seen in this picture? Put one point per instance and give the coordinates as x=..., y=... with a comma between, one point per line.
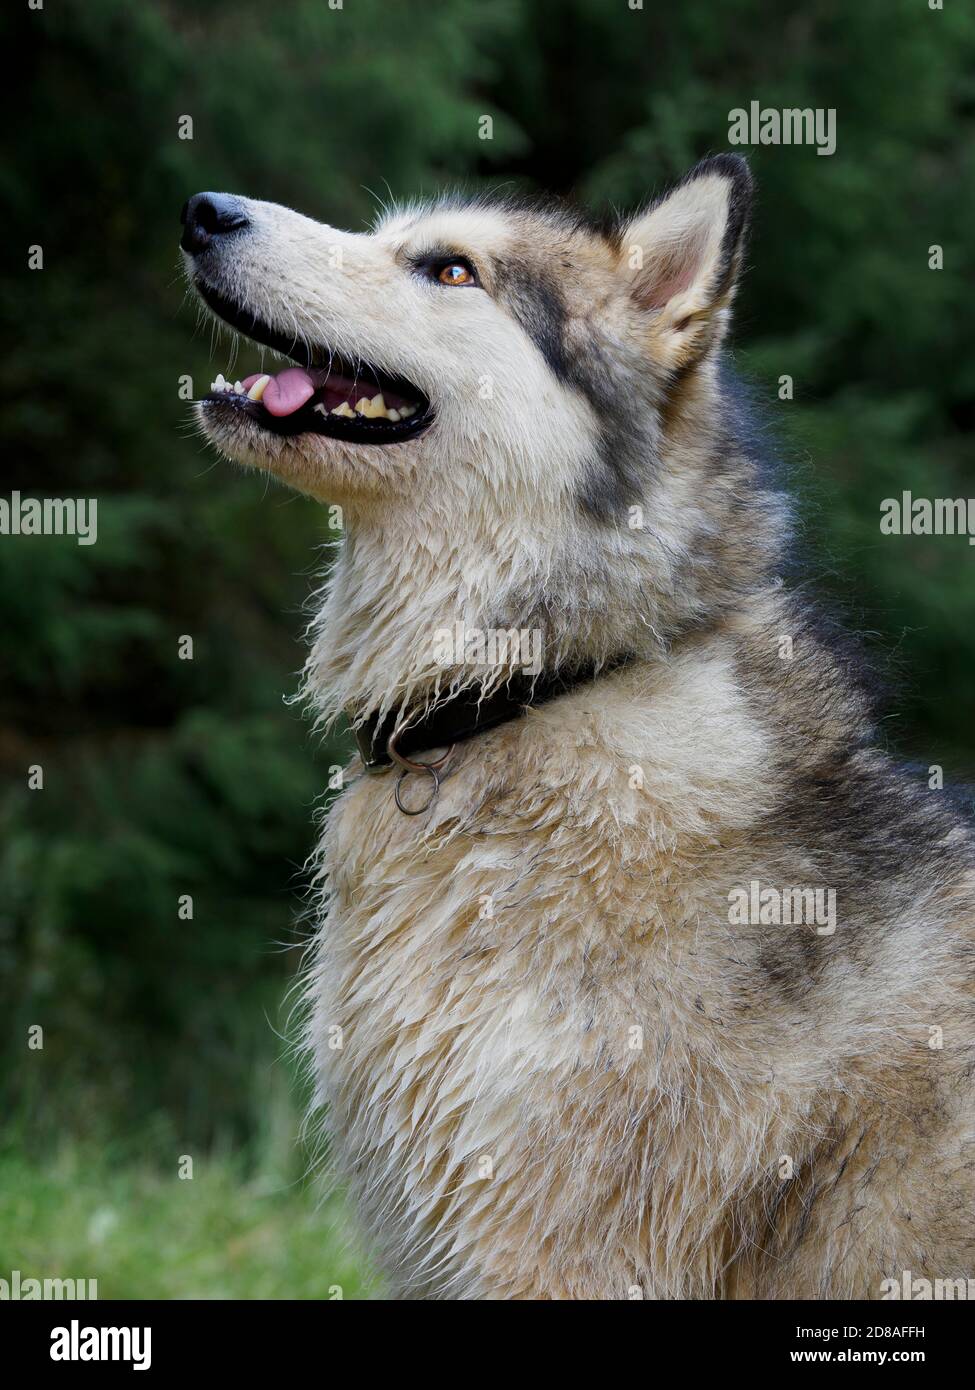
x=231, y=388
x=374, y=408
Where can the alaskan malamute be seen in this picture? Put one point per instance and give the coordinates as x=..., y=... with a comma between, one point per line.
x=641, y=969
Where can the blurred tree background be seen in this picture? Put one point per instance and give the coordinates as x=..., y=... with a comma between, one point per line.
x=165, y=777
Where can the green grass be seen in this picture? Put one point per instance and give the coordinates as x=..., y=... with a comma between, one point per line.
x=143, y=1233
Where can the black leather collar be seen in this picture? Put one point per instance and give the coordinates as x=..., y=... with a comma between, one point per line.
x=465, y=716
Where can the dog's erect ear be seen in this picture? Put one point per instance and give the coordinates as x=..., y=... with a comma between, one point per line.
x=682, y=256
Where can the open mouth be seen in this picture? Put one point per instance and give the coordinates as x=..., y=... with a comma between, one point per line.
x=324, y=394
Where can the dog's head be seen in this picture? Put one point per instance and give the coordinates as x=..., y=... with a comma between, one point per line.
x=520, y=414
x=513, y=350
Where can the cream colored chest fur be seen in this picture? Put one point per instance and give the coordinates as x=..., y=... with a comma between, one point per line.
x=555, y=1070
x=497, y=1027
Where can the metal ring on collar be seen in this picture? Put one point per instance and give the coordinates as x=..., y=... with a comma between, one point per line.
x=410, y=765
x=416, y=810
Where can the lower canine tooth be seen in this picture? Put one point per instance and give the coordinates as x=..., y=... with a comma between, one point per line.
x=258, y=389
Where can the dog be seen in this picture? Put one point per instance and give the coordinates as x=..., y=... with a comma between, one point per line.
x=640, y=970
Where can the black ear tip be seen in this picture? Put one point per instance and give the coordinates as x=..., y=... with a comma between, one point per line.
x=733, y=167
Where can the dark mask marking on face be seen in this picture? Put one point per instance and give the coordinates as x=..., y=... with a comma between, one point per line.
x=616, y=477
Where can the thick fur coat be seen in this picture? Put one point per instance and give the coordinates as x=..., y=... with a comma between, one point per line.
x=558, y=1063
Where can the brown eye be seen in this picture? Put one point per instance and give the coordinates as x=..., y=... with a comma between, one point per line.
x=456, y=273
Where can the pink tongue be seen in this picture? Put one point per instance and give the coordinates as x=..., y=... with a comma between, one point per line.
x=286, y=392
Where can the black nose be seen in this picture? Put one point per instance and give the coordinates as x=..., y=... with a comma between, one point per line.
x=210, y=215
